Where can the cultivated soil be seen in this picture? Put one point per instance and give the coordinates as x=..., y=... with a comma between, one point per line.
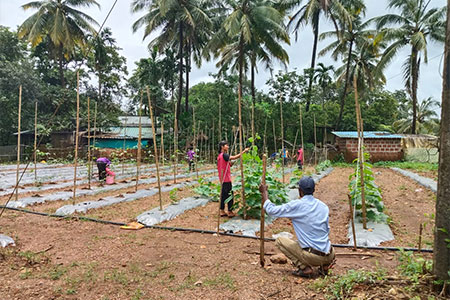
x=73, y=259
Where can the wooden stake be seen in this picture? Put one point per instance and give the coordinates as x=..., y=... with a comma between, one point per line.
x=265, y=132
x=274, y=137
x=315, y=141
x=253, y=122
x=263, y=199
x=220, y=117
x=138, y=159
x=89, y=142
x=244, y=204
x=295, y=143
x=420, y=237
x=35, y=143
x=18, y=141
x=283, y=151
x=155, y=147
x=175, y=146
x=123, y=147
x=360, y=151
x=75, y=162
x=352, y=220
x=212, y=144
x=301, y=130
x=162, y=139
x=95, y=129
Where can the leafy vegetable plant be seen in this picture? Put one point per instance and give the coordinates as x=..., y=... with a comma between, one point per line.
x=208, y=189
x=252, y=177
x=374, y=203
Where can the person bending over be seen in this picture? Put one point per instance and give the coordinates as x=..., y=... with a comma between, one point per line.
x=224, y=162
x=309, y=218
x=102, y=163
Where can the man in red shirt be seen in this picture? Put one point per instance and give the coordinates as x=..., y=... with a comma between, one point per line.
x=224, y=162
x=300, y=158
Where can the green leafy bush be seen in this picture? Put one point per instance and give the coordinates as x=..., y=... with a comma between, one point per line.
x=208, y=189
x=374, y=203
x=323, y=166
x=252, y=176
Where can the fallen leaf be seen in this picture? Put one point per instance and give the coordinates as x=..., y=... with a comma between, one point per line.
x=198, y=283
x=203, y=247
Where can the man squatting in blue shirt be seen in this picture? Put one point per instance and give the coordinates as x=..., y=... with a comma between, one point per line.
x=309, y=217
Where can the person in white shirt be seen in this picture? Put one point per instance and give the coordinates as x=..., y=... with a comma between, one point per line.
x=309, y=217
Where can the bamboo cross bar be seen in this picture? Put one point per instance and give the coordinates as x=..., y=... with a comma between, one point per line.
x=155, y=147
x=263, y=199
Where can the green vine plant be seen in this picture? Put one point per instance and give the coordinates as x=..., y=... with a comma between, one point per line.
x=208, y=189
x=374, y=203
x=252, y=177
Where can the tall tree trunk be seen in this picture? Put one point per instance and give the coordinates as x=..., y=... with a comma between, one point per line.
x=415, y=78
x=180, y=77
x=344, y=92
x=313, y=58
x=188, y=70
x=441, y=257
x=60, y=61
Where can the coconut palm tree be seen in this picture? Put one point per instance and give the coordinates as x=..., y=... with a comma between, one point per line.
x=310, y=13
x=66, y=26
x=178, y=22
x=346, y=37
x=426, y=120
x=249, y=22
x=417, y=25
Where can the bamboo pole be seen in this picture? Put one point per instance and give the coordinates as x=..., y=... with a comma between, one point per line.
x=155, y=148
x=274, y=137
x=95, y=129
x=123, y=147
x=301, y=130
x=89, y=142
x=295, y=142
x=263, y=199
x=283, y=151
x=138, y=158
x=212, y=143
x=197, y=154
x=360, y=151
x=420, y=237
x=175, y=146
x=220, y=117
x=315, y=140
x=18, y=141
x=265, y=132
x=244, y=204
x=35, y=144
x=253, y=123
x=162, y=139
x=352, y=221
x=75, y=162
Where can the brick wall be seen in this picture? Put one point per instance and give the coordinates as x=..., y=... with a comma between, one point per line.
x=379, y=149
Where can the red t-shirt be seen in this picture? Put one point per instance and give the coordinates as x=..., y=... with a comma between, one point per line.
x=223, y=167
x=300, y=155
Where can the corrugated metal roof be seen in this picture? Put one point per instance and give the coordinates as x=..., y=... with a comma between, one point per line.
x=133, y=121
x=367, y=135
x=127, y=133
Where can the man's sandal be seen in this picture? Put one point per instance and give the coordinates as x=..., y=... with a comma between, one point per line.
x=302, y=273
x=323, y=270
x=231, y=214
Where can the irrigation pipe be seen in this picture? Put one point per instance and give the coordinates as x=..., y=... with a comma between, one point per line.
x=203, y=230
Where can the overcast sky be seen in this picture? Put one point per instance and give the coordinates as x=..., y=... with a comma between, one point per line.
x=134, y=48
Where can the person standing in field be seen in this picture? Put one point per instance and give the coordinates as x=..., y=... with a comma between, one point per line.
x=224, y=162
x=300, y=158
x=190, y=157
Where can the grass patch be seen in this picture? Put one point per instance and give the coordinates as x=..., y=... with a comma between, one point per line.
x=117, y=276
x=418, y=166
x=222, y=279
x=57, y=272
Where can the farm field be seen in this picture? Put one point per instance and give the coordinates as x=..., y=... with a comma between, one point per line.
x=66, y=258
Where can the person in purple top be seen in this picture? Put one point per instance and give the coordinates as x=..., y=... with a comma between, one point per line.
x=102, y=163
x=190, y=157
